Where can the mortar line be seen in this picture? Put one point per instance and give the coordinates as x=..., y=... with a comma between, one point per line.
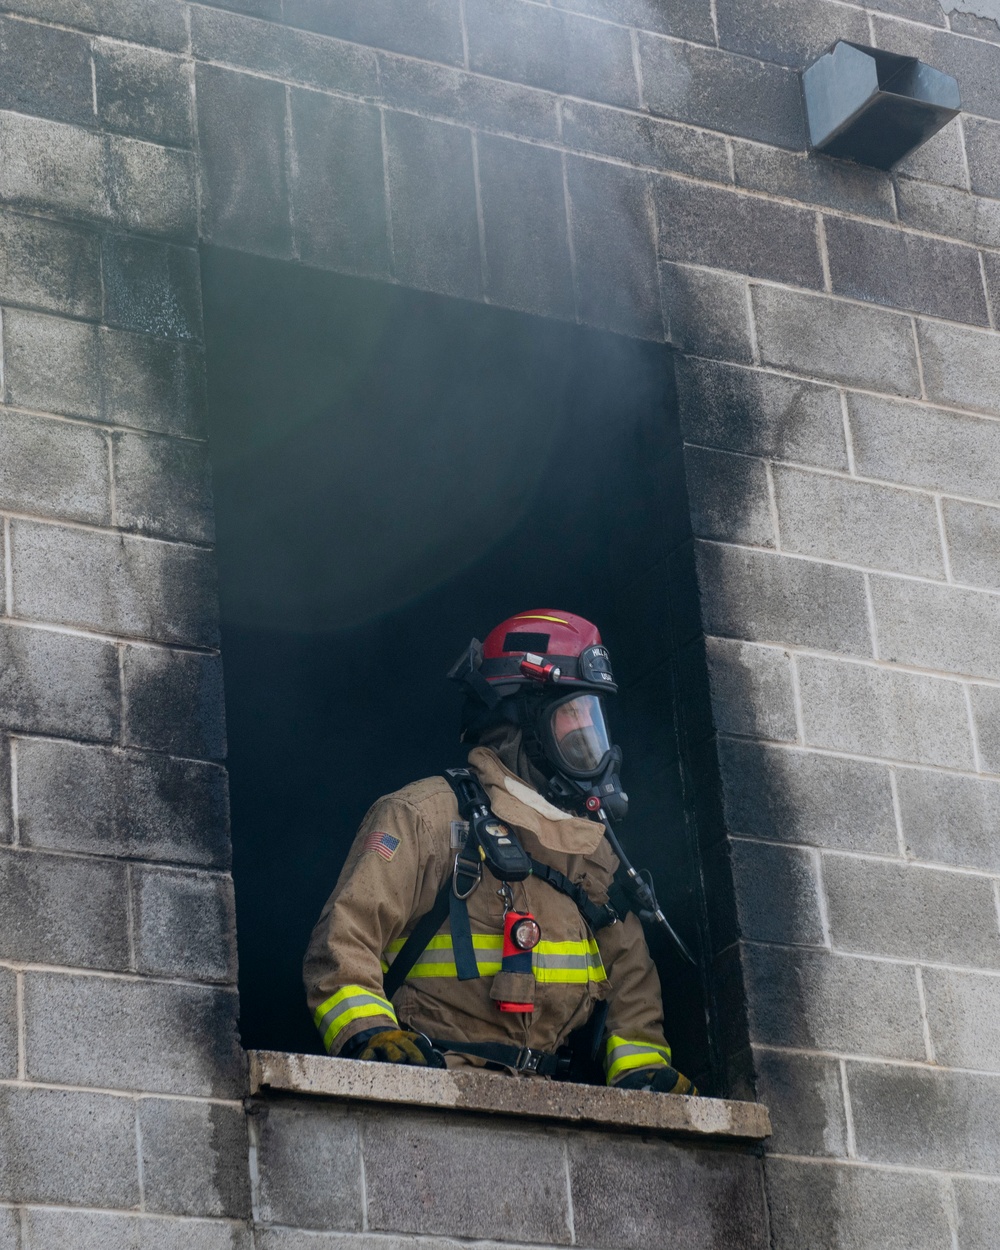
x=920, y=358
x=950, y=1205
x=386, y=182
x=484, y=269
x=825, y=1161
x=852, y=1145
x=871, y=29
x=291, y=172
x=986, y=290
x=177, y=869
x=15, y=802
x=129, y=1095
x=189, y=45
x=897, y=813
x=570, y=1213
x=22, y=1227
x=570, y=241
x=114, y=747
x=852, y=469
x=973, y=732
x=800, y=724
x=870, y=611
x=122, y=693
x=637, y=67
x=714, y=10
x=22, y=1032
x=253, y=1169
x=130, y=1213
x=8, y=570
x=93, y=83
x=465, y=33
x=943, y=535
x=824, y=252
x=140, y=1162
x=821, y=903
x=3, y=369
x=925, y=1023
x=772, y=503
x=960, y=124
x=996, y=901
x=873, y=857
x=879, y=1061
x=130, y=916
x=751, y=324
x=132, y=640
x=362, y=1175
x=100, y=423
x=112, y=488
x=731, y=159
x=109, y=531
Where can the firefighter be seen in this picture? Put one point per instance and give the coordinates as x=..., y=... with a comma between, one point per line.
x=495, y=888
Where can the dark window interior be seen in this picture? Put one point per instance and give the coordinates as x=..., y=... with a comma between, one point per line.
x=394, y=473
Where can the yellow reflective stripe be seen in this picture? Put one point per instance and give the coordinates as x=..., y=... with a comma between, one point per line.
x=350, y=1003
x=622, y=1055
x=553, y=963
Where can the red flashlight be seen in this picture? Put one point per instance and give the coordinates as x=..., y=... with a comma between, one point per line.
x=521, y=935
x=534, y=666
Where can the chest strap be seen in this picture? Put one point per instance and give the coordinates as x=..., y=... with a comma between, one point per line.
x=461, y=882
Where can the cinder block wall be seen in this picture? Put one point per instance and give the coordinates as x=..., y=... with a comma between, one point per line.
x=637, y=165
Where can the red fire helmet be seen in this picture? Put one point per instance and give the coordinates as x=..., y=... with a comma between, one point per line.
x=546, y=647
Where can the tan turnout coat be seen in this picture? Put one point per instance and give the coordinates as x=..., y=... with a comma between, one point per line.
x=400, y=859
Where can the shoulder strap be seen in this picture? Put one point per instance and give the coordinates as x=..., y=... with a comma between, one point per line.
x=597, y=915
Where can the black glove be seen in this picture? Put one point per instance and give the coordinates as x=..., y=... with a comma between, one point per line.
x=394, y=1046
x=659, y=1080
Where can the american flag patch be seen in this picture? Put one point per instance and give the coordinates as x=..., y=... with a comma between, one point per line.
x=383, y=844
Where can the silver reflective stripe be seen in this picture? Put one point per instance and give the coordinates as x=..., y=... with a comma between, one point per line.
x=631, y=1048
x=583, y=961
x=356, y=1000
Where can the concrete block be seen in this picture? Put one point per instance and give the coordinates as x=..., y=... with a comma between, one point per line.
x=173, y=702
x=552, y=49
x=684, y=19
x=941, y=628
x=426, y=29
x=10, y=1229
x=976, y=27
x=786, y=32
x=648, y=1193
x=143, y=92
x=185, y=925
x=58, y=684
x=242, y=136
x=137, y=587
x=99, y=801
x=309, y=1164
x=919, y=1117
x=432, y=197
x=911, y=913
x=159, y=25
x=946, y=451
x=643, y=140
x=973, y=534
x=53, y=467
x=799, y=796
x=525, y=227
x=806, y=1101
x=771, y=598
x=940, y=159
x=154, y=1037
x=152, y=385
x=338, y=184
x=851, y=1208
x=948, y=211
x=63, y=911
x=163, y=487
x=777, y=894
x=194, y=1158
x=834, y=518
x=961, y=366
x=152, y=188
x=949, y=819
x=760, y=414
x=52, y=167
x=885, y=265
x=421, y=1176
x=484, y=103
x=978, y=1204
x=881, y=712
x=103, y=1230
x=751, y=689
x=45, y=71
x=963, y=1013
x=975, y=64
x=796, y=176
x=986, y=714
x=982, y=147
x=705, y=312
x=51, y=363
x=729, y=497
x=8, y=1032
x=49, y=265
x=612, y=230
x=712, y=88
x=151, y=287
x=67, y=1147
x=6, y=797
x=710, y=226
x=928, y=12
x=280, y=51
x=827, y=338
x=818, y=1001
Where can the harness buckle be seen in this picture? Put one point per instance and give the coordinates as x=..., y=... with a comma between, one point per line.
x=469, y=870
x=528, y=1060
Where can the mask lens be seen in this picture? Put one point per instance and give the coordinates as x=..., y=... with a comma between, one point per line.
x=579, y=732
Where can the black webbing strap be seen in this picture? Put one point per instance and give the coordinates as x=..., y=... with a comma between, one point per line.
x=597, y=915
x=521, y=1058
x=416, y=943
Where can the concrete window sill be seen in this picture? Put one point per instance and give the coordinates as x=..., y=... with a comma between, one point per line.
x=353, y=1081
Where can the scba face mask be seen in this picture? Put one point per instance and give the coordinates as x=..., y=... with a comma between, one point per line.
x=574, y=736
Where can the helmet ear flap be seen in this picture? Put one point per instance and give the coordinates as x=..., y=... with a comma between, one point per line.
x=466, y=672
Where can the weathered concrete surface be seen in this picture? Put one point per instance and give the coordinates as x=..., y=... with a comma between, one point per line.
x=495, y=1094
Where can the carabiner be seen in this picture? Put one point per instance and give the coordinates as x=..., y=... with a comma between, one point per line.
x=465, y=872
